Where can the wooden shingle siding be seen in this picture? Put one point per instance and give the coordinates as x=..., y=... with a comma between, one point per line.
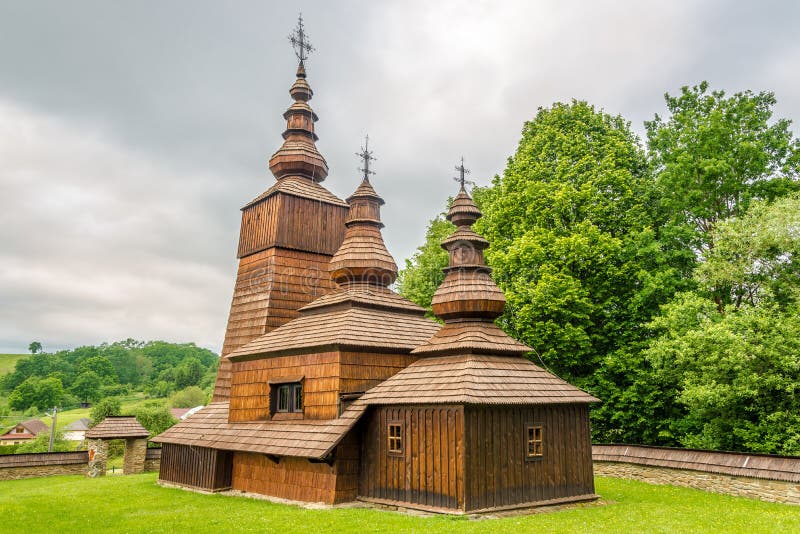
x=429, y=472
x=195, y=467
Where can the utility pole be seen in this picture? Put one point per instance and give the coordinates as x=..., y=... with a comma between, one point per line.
x=52, y=430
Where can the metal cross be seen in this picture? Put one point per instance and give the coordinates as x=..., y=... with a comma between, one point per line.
x=463, y=172
x=299, y=39
x=366, y=157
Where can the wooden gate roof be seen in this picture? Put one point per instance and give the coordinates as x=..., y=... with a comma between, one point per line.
x=118, y=427
x=475, y=379
x=305, y=438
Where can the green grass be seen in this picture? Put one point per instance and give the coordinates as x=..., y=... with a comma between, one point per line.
x=136, y=504
x=8, y=361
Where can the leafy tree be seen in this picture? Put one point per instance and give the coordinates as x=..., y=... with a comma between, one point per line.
x=423, y=274
x=735, y=369
x=87, y=387
x=188, y=398
x=35, y=347
x=189, y=373
x=36, y=392
x=156, y=419
x=716, y=153
x=573, y=230
x=104, y=408
x=101, y=366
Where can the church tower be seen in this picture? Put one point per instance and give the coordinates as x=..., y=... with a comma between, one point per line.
x=289, y=233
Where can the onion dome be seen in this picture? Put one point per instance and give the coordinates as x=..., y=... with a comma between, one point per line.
x=468, y=291
x=298, y=156
x=363, y=258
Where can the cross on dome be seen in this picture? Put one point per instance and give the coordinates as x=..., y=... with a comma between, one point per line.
x=366, y=157
x=299, y=39
x=463, y=171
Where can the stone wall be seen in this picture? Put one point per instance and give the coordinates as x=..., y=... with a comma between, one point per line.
x=771, y=478
x=16, y=466
x=135, y=451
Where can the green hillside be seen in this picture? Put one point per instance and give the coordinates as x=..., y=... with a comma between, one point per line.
x=8, y=361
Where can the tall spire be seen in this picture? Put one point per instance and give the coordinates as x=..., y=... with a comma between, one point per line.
x=298, y=156
x=363, y=258
x=468, y=291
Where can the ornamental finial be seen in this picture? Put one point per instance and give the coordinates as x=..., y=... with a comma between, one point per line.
x=366, y=157
x=299, y=39
x=462, y=178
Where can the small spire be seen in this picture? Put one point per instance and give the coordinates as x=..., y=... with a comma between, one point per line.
x=366, y=156
x=363, y=257
x=463, y=171
x=300, y=43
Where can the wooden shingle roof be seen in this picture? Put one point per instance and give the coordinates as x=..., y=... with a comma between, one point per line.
x=118, y=427
x=306, y=438
x=299, y=187
x=475, y=379
x=347, y=324
x=479, y=337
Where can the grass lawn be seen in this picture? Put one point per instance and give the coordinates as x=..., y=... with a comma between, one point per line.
x=8, y=361
x=136, y=504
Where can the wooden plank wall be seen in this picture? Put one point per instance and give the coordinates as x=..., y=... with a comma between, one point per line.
x=289, y=221
x=195, y=467
x=430, y=470
x=290, y=478
x=250, y=387
x=497, y=472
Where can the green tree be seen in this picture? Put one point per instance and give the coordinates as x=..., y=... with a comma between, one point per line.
x=423, y=274
x=37, y=392
x=104, y=408
x=87, y=387
x=735, y=368
x=189, y=373
x=102, y=367
x=188, y=398
x=716, y=153
x=35, y=347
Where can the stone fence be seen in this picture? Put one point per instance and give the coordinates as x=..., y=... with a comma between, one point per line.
x=759, y=476
x=42, y=464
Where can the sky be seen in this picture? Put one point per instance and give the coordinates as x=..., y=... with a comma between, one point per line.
x=131, y=133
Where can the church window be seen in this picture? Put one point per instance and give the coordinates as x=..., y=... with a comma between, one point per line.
x=289, y=398
x=534, y=442
x=395, y=438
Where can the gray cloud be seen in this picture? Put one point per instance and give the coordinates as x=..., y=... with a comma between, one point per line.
x=130, y=134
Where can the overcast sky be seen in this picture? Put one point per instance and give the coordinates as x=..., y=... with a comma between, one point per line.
x=132, y=132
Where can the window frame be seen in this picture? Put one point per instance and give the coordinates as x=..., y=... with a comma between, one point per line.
x=395, y=441
x=286, y=398
x=534, y=442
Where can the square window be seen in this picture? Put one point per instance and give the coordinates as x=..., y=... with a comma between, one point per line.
x=395, y=438
x=534, y=442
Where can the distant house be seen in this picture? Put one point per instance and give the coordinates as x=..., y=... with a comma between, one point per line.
x=23, y=432
x=76, y=431
x=182, y=413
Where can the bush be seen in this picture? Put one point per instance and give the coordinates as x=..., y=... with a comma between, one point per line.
x=104, y=408
x=156, y=419
x=188, y=398
x=41, y=443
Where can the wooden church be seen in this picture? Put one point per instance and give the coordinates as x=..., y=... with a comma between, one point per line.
x=334, y=388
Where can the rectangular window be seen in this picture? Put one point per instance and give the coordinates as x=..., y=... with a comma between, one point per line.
x=534, y=442
x=395, y=438
x=288, y=398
